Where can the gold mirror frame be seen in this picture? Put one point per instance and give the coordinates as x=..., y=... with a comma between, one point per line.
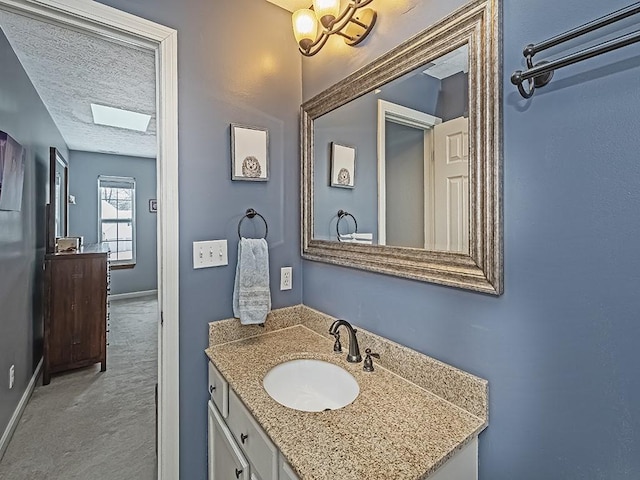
x=478, y=24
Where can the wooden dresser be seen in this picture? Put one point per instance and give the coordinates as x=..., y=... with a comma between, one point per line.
x=76, y=309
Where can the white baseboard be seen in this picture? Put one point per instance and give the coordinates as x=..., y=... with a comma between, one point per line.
x=123, y=296
x=15, y=418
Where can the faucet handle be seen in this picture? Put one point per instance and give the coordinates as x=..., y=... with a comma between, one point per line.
x=337, y=347
x=368, y=362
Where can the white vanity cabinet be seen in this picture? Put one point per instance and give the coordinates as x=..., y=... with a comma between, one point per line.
x=238, y=445
x=218, y=390
x=463, y=465
x=285, y=471
x=226, y=461
x=252, y=440
x=240, y=449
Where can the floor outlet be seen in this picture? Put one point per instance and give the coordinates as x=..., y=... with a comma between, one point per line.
x=285, y=278
x=12, y=376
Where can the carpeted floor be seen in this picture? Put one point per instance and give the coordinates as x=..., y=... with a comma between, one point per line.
x=87, y=425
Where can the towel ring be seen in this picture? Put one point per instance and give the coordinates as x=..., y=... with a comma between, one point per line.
x=250, y=213
x=341, y=215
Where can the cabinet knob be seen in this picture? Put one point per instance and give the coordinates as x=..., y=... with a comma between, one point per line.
x=238, y=473
x=243, y=437
x=211, y=388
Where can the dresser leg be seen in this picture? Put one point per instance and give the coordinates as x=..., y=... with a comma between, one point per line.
x=46, y=376
x=103, y=366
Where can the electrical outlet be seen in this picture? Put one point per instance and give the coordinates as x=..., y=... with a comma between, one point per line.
x=285, y=278
x=12, y=376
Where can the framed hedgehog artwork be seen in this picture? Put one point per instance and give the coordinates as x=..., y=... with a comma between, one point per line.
x=249, y=153
x=343, y=166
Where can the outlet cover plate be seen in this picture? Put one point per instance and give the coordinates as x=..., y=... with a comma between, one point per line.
x=286, y=278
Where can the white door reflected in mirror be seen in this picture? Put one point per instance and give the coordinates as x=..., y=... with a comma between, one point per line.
x=411, y=185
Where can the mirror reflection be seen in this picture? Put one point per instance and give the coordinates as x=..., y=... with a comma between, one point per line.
x=396, y=162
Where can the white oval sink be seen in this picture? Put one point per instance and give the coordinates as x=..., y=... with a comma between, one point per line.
x=311, y=385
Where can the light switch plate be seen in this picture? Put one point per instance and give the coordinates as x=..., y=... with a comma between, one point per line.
x=210, y=253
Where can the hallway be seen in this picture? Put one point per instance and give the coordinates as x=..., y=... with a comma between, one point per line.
x=88, y=424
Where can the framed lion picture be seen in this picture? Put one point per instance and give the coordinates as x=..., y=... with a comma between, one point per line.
x=249, y=153
x=343, y=166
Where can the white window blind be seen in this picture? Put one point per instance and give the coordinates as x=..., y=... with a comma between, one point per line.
x=116, y=213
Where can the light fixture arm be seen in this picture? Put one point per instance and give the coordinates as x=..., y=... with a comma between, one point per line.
x=339, y=23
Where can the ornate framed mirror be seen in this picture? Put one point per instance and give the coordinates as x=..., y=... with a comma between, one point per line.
x=58, y=206
x=424, y=122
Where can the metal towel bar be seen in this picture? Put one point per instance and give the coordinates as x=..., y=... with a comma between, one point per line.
x=540, y=74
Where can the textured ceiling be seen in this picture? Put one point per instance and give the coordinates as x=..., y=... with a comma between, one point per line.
x=70, y=70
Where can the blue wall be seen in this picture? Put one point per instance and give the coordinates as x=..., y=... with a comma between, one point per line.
x=559, y=348
x=236, y=63
x=84, y=170
x=22, y=234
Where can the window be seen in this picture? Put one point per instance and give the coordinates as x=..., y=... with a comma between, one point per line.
x=116, y=211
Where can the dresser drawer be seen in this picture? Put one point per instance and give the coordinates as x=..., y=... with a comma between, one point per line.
x=253, y=441
x=218, y=390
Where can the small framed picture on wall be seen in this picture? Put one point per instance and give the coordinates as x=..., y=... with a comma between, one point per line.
x=343, y=166
x=249, y=153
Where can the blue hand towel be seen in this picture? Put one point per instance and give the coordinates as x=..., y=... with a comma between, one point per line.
x=251, y=294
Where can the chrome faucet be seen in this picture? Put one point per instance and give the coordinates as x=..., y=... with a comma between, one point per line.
x=354, y=350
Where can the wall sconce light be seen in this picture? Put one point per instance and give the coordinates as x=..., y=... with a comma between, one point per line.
x=354, y=24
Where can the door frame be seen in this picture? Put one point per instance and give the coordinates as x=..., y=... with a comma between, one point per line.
x=106, y=22
x=393, y=112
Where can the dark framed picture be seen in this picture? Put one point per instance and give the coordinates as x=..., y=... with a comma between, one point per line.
x=153, y=205
x=249, y=153
x=343, y=166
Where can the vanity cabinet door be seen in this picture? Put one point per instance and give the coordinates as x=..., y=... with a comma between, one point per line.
x=218, y=390
x=226, y=461
x=252, y=439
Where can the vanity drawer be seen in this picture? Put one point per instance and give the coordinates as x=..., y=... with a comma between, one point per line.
x=218, y=390
x=253, y=441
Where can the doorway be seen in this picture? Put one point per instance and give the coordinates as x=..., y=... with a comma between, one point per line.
x=105, y=22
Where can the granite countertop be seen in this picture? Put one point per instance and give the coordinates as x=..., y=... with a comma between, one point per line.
x=394, y=429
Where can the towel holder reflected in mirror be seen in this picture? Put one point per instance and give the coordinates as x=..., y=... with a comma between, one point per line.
x=341, y=215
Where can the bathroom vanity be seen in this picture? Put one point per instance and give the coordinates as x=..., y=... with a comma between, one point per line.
x=414, y=417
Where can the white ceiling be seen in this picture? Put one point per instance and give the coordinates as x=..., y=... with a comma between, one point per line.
x=71, y=70
x=292, y=5
x=449, y=64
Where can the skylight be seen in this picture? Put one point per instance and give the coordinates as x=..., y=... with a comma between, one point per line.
x=116, y=117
